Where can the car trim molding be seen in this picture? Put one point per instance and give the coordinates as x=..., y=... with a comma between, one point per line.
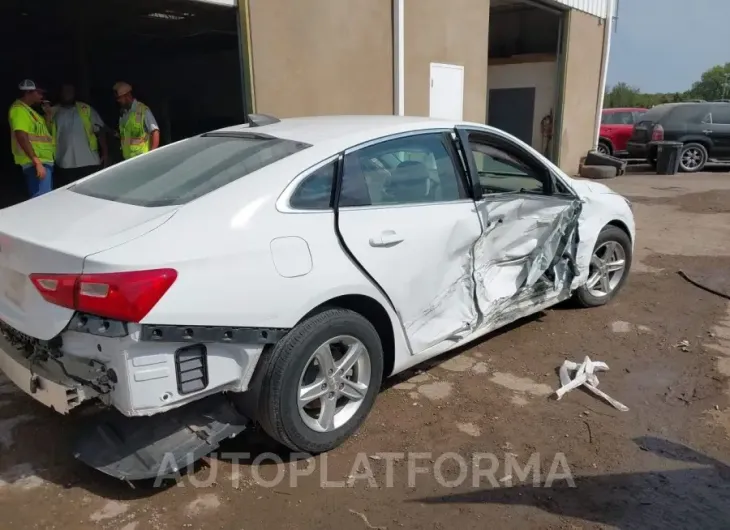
x=211, y=334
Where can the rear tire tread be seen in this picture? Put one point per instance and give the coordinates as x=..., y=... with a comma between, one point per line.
x=277, y=360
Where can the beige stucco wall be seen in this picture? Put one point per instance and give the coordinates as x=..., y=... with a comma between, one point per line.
x=313, y=57
x=453, y=32
x=542, y=76
x=582, y=77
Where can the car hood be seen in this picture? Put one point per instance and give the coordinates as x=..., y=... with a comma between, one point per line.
x=585, y=188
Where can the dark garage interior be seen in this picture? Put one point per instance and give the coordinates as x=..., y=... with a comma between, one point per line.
x=182, y=57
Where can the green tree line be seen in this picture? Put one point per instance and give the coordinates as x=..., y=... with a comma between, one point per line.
x=712, y=86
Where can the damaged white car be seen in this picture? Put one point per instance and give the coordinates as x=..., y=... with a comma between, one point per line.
x=277, y=272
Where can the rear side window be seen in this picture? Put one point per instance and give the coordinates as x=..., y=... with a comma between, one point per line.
x=315, y=191
x=187, y=170
x=618, y=118
x=688, y=114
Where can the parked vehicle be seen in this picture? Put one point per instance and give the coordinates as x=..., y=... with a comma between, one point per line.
x=277, y=272
x=703, y=128
x=616, y=128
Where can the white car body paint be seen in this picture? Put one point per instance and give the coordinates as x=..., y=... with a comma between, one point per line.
x=245, y=258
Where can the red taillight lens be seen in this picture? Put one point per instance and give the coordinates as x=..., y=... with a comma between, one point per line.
x=657, y=134
x=57, y=289
x=126, y=296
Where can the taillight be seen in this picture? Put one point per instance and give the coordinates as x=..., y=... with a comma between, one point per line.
x=125, y=296
x=657, y=135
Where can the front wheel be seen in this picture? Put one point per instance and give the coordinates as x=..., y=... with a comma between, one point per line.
x=604, y=148
x=609, y=268
x=320, y=381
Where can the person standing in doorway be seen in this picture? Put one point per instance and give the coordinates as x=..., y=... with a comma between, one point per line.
x=81, y=147
x=138, y=129
x=31, y=141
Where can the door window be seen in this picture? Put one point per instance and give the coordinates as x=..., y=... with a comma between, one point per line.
x=501, y=172
x=721, y=115
x=410, y=170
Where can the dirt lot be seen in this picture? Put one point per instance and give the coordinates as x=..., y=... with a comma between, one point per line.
x=660, y=465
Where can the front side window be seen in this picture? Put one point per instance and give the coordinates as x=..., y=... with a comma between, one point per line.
x=501, y=172
x=187, y=170
x=409, y=170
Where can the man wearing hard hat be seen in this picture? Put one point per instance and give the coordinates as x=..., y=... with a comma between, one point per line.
x=30, y=138
x=138, y=129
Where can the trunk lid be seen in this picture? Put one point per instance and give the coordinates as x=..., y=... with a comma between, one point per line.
x=54, y=233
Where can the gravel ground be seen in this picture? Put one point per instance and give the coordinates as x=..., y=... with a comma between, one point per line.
x=659, y=465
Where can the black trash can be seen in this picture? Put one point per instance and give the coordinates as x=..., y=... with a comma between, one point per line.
x=667, y=157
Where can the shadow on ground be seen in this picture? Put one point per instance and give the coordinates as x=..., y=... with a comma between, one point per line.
x=697, y=496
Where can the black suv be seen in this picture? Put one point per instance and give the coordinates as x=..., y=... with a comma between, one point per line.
x=703, y=128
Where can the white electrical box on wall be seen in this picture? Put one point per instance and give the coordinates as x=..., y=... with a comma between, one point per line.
x=447, y=91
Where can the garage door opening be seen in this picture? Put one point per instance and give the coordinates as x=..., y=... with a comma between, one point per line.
x=523, y=81
x=181, y=56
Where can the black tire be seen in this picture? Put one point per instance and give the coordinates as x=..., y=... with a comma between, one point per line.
x=604, y=147
x=701, y=150
x=284, y=364
x=582, y=295
x=598, y=172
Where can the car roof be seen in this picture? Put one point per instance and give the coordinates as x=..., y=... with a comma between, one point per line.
x=623, y=109
x=348, y=130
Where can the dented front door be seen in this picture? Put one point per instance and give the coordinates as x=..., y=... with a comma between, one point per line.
x=525, y=254
x=406, y=219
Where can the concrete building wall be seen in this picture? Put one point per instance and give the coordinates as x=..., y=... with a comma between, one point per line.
x=453, y=32
x=542, y=76
x=318, y=57
x=582, y=78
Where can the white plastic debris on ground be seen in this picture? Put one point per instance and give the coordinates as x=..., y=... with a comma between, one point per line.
x=585, y=375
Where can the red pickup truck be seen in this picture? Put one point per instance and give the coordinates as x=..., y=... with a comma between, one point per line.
x=616, y=128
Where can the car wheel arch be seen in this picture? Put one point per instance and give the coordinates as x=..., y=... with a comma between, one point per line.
x=622, y=226
x=703, y=140
x=607, y=142
x=375, y=313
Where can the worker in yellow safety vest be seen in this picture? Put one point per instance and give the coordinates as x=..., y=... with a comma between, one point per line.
x=138, y=129
x=31, y=140
x=81, y=146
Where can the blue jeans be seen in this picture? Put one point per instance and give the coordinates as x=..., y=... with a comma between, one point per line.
x=35, y=185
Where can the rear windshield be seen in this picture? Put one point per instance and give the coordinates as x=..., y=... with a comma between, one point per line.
x=187, y=170
x=657, y=113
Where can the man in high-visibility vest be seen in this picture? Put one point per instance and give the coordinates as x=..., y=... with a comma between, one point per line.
x=31, y=140
x=138, y=129
x=81, y=147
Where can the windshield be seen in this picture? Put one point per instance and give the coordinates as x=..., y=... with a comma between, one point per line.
x=187, y=170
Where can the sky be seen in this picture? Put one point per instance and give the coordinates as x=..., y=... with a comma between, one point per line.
x=691, y=35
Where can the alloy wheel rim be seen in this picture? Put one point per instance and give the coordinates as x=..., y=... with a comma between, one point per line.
x=608, y=266
x=602, y=149
x=692, y=158
x=334, y=383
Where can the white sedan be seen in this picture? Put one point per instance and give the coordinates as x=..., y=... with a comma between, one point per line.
x=277, y=272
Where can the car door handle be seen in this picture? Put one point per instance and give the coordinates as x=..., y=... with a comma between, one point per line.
x=707, y=131
x=387, y=238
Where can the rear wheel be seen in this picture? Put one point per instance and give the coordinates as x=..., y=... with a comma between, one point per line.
x=609, y=268
x=693, y=158
x=320, y=381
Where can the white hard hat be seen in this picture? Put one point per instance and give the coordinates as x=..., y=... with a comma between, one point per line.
x=28, y=85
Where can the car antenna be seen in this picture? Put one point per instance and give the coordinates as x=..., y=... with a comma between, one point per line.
x=259, y=120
